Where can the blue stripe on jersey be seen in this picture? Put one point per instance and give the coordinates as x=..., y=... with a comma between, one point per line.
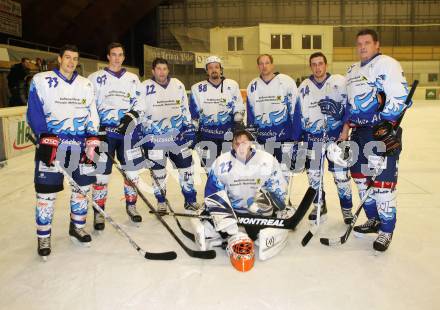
x=35, y=114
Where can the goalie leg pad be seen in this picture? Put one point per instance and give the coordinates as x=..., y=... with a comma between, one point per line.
x=270, y=242
x=206, y=237
x=220, y=209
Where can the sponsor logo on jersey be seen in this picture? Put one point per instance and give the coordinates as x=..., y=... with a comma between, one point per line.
x=177, y=102
x=84, y=101
x=261, y=222
x=278, y=97
x=258, y=181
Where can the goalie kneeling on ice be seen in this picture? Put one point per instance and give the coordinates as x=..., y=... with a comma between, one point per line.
x=208, y=233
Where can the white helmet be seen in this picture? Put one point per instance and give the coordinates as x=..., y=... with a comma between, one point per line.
x=212, y=59
x=339, y=153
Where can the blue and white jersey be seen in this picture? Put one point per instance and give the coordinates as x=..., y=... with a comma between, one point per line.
x=62, y=107
x=166, y=112
x=242, y=180
x=215, y=106
x=271, y=108
x=313, y=122
x=116, y=93
x=364, y=82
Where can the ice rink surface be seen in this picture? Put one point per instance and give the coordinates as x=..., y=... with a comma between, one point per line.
x=111, y=275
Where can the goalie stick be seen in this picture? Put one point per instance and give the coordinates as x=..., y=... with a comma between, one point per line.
x=341, y=240
x=148, y=255
x=265, y=222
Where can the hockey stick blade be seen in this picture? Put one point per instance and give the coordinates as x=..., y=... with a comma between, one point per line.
x=148, y=255
x=161, y=256
x=307, y=238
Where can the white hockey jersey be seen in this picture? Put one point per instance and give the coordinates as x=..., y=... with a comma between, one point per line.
x=215, y=106
x=166, y=112
x=242, y=180
x=364, y=81
x=271, y=108
x=62, y=107
x=312, y=120
x=116, y=93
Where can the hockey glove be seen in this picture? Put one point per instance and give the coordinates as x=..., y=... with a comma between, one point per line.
x=126, y=121
x=102, y=133
x=392, y=137
x=331, y=108
x=189, y=135
x=91, y=151
x=47, y=148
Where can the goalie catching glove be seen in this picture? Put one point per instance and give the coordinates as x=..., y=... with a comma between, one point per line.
x=264, y=204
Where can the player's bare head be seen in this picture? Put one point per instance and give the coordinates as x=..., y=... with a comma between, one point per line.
x=265, y=64
x=242, y=143
x=367, y=43
x=68, y=47
x=160, y=69
x=115, y=55
x=68, y=59
x=318, y=65
x=115, y=45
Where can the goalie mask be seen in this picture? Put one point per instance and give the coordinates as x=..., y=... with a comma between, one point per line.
x=241, y=252
x=339, y=153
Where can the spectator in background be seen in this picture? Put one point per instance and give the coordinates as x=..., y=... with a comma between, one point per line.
x=17, y=82
x=41, y=64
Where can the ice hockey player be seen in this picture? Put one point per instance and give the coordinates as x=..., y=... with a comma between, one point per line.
x=62, y=115
x=168, y=132
x=377, y=90
x=216, y=108
x=117, y=101
x=243, y=181
x=323, y=101
x=272, y=112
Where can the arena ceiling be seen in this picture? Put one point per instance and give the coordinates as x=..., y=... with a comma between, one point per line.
x=89, y=24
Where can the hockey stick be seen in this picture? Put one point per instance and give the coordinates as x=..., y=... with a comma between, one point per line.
x=265, y=222
x=186, y=233
x=344, y=237
x=210, y=254
x=309, y=235
x=148, y=255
